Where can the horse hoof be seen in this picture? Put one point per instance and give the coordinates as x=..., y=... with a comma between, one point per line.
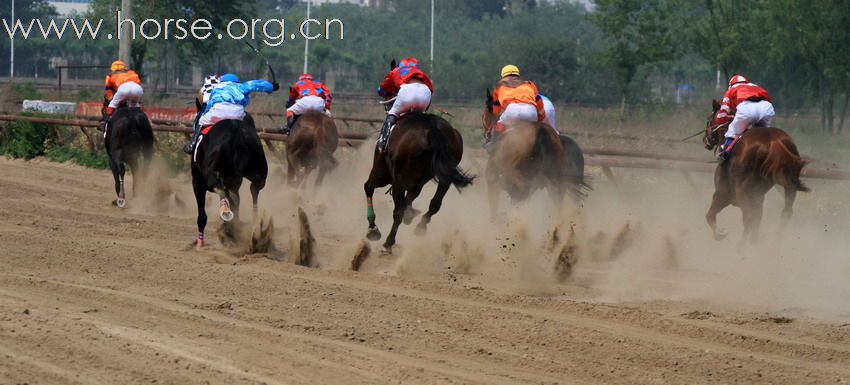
x=387, y=250
x=199, y=244
x=120, y=202
x=374, y=234
x=420, y=230
x=226, y=216
x=720, y=235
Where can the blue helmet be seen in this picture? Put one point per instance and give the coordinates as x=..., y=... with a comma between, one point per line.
x=229, y=78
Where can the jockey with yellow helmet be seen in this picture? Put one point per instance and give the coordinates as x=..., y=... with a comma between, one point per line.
x=515, y=100
x=122, y=85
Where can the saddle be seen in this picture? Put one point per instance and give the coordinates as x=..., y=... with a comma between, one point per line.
x=205, y=130
x=397, y=121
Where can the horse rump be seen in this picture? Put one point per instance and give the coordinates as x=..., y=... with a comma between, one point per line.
x=783, y=164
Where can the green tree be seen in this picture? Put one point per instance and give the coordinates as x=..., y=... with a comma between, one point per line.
x=638, y=32
x=815, y=35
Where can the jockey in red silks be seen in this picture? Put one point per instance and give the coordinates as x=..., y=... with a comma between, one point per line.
x=744, y=104
x=306, y=95
x=412, y=89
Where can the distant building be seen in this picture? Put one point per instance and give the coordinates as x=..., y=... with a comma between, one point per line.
x=68, y=7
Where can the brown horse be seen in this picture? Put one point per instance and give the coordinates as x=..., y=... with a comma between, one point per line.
x=762, y=158
x=530, y=156
x=422, y=147
x=310, y=145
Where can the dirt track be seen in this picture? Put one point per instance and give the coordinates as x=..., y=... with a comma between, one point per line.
x=93, y=294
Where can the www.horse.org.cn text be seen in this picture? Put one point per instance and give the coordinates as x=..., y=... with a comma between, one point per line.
x=271, y=32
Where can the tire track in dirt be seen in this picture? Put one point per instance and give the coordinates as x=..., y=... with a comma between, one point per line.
x=465, y=370
x=687, y=334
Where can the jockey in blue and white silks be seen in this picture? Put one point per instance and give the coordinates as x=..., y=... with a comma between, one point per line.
x=229, y=98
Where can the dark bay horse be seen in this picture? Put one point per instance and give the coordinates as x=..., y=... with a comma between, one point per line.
x=422, y=147
x=310, y=145
x=128, y=140
x=762, y=158
x=228, y=152
x=530, y=156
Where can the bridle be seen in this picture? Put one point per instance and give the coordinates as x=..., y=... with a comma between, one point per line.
x=710, y=139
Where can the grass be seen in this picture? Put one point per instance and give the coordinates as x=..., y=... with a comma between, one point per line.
x=81, y=157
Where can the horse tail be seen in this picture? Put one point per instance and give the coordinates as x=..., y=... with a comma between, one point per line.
x=443, y=162
x=574, y=172
x=542, y=144
x=784, y=164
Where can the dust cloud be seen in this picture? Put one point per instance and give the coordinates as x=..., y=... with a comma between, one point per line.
x=642, y=238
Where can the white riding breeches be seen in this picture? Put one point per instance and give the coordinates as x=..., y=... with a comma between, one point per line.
x=517, y=113
x=748, y=114
x=222, y=111
x=307, y=104
x=549, y=109
x=128, y=92
x=411, y=97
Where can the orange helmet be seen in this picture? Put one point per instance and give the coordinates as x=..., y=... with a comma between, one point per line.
x=737, y=79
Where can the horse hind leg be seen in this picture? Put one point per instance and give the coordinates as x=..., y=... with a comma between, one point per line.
x=118, y=172
x=200, y=190
x=136, y=173
x=719, y=201
x=399, y=206
x=433, y=207
x=756, y=213
x=409, y=212
x=787, y=211
x=225, y=211
x=255, y=195
x=373, y=234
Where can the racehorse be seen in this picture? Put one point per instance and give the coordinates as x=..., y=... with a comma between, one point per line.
x=224, y=154
x=422, y=147
x=311, y=144
x=128, y=138
x=762, y=158
x=530, y=156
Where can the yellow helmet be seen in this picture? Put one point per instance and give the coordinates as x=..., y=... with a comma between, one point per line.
x=510, y=69
x=117, y=65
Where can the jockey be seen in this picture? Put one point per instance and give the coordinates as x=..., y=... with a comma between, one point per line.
x=228, y=99
x=122, y=85
x=305, y=96
x=515, y=100
x=203, y=97
x=412, y=89
x=744, y=104
x=549, y=110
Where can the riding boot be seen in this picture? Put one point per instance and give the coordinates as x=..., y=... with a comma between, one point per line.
x=104, y=120
x=385, y=132
x=290, y=120
x=725, y=150
x=189, y=148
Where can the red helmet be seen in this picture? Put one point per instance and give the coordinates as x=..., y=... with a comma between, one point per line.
x=305, y=77
x=409, y=62
x=737, y=79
